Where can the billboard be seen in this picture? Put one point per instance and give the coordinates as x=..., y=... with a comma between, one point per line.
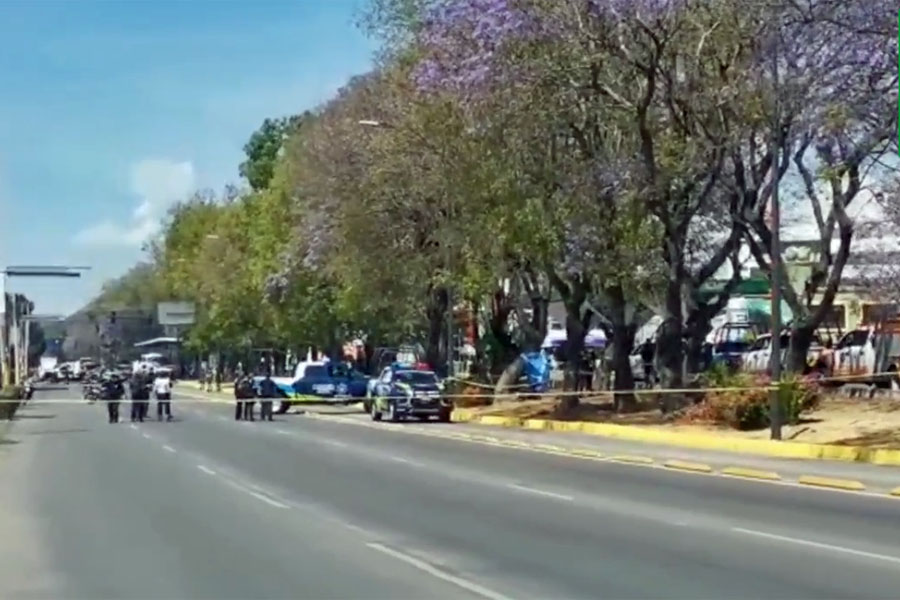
x=175, y=313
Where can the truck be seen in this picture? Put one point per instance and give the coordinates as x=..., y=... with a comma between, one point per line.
x=47, y=368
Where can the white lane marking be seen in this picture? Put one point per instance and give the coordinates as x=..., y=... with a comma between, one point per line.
x=206, y=469
x=434, y=572
x=538, y=492
x=282, y=432
x=221, y=417
x=133, y=426
x=169, y=448
x=267, y=500
x=245, y=489
x=406, y=461
x=800, y=542
x=146, y=436
x=335, y=443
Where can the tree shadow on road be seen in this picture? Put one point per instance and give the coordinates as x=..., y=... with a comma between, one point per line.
x=58, y=431
x=23, y=416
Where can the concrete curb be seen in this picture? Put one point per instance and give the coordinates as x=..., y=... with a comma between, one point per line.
x=686, y=467
x=701, y=441
x=831, y=482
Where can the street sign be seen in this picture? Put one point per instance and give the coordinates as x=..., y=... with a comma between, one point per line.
x=175, y=313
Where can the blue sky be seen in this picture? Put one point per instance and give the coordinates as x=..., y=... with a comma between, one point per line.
x=112, y=111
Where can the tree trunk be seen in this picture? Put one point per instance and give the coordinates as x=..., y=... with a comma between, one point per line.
x=575, y=334
x=437, y=330
x=510, y=375
x=669, y=346
x=622, y=343
x=801, y=339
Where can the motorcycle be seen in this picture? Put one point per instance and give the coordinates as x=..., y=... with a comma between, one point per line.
x=28, y=390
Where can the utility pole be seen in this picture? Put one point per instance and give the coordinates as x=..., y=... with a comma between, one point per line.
x=4, y=333
x=775, y=416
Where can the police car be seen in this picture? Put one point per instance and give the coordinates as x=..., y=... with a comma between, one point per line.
x=400, y=393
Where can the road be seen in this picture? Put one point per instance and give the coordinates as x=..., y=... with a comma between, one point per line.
x=307, y=508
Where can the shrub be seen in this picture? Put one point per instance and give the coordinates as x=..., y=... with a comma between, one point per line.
x=746, y=405
x=9, y=397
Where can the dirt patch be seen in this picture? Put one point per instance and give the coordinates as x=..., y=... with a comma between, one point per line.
x=837, y=420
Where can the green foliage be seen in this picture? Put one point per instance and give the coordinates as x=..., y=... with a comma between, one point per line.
x=263, y=148
x=743, y=402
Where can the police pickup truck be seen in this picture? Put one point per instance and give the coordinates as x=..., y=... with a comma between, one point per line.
x=318, y=381
x=402, y=393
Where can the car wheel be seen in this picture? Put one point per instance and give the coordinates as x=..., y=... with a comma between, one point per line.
x=444, y=415
x=376, y=414
x=393, y=416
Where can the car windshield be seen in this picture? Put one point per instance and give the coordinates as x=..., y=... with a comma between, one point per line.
x=416, y=377
x=316, y=371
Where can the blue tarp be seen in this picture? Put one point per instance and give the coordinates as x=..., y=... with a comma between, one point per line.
x=537, y=370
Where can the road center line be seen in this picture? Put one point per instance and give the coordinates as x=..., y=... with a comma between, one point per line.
x=262, y=497
x=800, y=542
x=169, y=448
x=538, y=492
x=434, y=572
x=146, y=436
x=406, y=461
x=133, y=426
x=335, y=443
x=206, y=470
x=282, y=432
x=267, y=500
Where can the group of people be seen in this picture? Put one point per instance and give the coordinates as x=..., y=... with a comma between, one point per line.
x=245, y=394
x=142, y=384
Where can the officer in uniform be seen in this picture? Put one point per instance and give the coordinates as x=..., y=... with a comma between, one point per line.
x=112, y=393
x=267, y=392
x=240, y=395
x=139, y=396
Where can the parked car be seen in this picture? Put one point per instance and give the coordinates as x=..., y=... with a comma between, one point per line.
x=403, y=393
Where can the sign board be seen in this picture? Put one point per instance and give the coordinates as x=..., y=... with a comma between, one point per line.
x=175, y=313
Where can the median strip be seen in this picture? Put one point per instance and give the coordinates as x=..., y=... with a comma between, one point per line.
x=830, y=482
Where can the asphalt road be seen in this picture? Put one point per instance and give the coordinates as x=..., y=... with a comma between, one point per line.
x=206, y=507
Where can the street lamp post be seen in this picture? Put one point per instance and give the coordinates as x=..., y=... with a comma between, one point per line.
x=20, y=368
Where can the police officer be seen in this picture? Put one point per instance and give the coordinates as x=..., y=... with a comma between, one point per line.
x=267, y=392
x=249, y=398
x=111, y=390
x=239, y=395
x=139, y=396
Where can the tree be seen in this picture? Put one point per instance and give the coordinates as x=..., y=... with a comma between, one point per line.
x=834, y=103
x=264, y=148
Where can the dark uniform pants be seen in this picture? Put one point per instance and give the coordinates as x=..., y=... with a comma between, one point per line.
x=249, y=405
x=139, y=409
x=265, y=409
x=239, y=409
x=112, y=407
x=164, y=405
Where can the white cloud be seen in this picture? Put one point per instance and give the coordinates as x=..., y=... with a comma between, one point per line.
x=158, y=184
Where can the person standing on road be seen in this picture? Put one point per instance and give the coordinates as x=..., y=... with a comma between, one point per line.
x=243, y=389
x=268, y=391
x=162, y=388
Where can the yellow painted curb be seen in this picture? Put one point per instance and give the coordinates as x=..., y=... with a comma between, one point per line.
x=586, y=452
x=895, y=492
x=682, y=465
x=628, y=458
x=703, y=441
x=549, y=447
x=751, y=473
x=841, y=484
